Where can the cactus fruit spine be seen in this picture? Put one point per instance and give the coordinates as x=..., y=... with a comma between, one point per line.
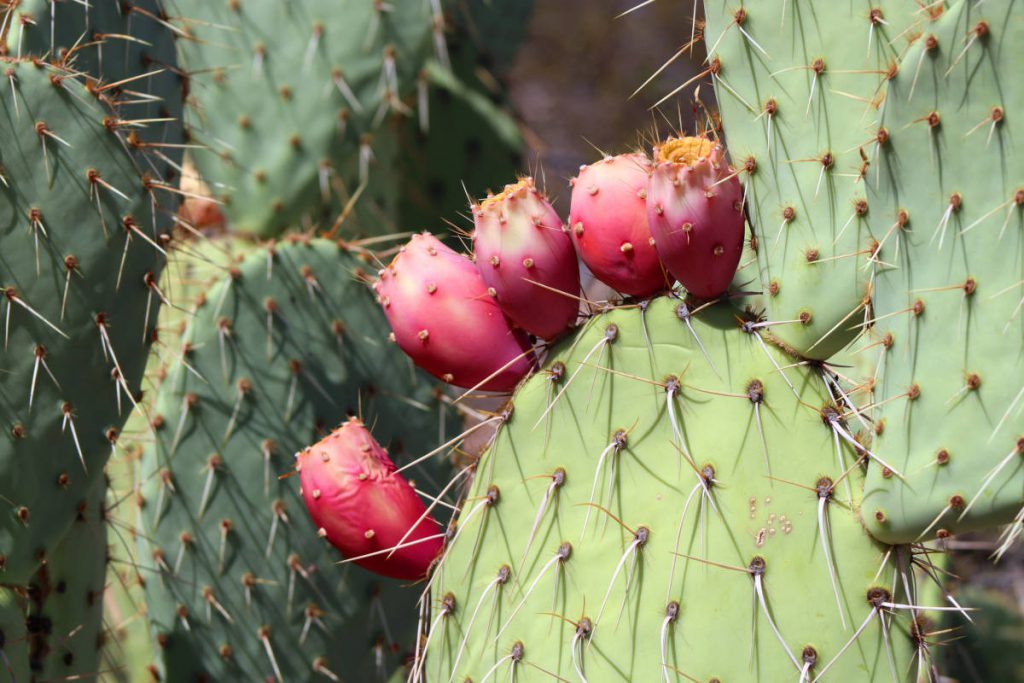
x=608, y=224
x=286, y=346
x=364, y=507
x=695, y=214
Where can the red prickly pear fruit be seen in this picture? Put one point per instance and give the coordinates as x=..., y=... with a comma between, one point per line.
x=695, y=211
x=608, y=223
x=526, y=257
x=362, y=505
x=443, y=317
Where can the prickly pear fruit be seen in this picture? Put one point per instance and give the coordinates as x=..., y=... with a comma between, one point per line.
x=695, y=211
x=608, y=223
x=363, y=506
x=527, y=259
x=444, y=319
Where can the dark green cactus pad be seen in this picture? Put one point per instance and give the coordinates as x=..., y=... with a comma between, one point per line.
x=798, y=92
x=684, y=471
x=113, y=42
x=472, y=146
x=79, y=251
x=283, y=349
x=494, y=28
x=948, y=291
x=287, y=96
x=53, y=630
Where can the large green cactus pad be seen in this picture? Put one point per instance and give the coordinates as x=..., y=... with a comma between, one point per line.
x=949, y=293
x=660, y=569
x=798, y=92
x=283, y=349
x=79, y=250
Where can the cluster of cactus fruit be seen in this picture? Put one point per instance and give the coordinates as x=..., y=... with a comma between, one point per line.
x=658, y=447
x=734, y=468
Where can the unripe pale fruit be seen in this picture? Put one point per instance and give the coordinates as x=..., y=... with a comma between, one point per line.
x=695, y=212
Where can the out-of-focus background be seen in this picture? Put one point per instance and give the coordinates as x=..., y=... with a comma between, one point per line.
x=573, y=84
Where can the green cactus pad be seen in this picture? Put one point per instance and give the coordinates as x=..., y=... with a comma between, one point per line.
x=228, y=419
x=797, y=93
x=53, y=630
x=949, y=293
x=285, y=94
x=79, y=250
x=655, y=585
x=113, y=42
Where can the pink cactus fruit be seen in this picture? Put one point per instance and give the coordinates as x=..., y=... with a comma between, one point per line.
x=443, y=317
x=695, y=211
x=527, y=259
x=362, y=505
x=608, y=223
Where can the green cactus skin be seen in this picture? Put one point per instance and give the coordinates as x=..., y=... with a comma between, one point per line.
x=111, y=41
x=473, y=144
x=53, y=629
x=283, y=93
x=73, y=198
x=328, y=357
x=795, y=88
x=948, y=290
x=595, y=427
x=193, y=267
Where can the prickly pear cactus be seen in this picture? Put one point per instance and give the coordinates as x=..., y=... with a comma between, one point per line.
x=798, y=96
x=948, y=292
x=284, y=348
x=82, y=248
x=662, y=502
x=287, y=97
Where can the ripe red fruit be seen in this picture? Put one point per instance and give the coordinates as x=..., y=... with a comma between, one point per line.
x=355, y=496
x=608, y=223
x=443, y=317
x=695, y=211
x=526, y=257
